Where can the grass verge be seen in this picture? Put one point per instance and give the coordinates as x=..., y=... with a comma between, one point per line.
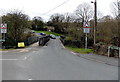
x=79, y=50
x=48, y=33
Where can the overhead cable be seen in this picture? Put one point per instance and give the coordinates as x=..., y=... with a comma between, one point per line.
x=56, y=7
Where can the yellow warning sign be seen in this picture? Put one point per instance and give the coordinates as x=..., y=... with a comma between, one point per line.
x=21, y=44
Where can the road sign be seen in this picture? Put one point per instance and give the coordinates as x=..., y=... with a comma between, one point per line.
x=21, y=44
x=86, y=30
x=86, y=25
x=3, y=28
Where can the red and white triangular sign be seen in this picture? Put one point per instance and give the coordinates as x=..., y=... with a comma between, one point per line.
x=3, y=26
x=86, y=25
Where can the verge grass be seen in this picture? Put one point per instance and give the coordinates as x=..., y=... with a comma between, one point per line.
x=79, y=50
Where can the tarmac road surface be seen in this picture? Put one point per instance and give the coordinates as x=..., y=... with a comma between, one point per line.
x=52, y=62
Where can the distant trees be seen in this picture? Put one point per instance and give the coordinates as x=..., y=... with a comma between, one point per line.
x=56, y=20
x=107, y=29
x=37, y=23
x=66, y=24
x=72, y=24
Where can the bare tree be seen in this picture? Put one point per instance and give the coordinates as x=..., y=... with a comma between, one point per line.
x=116, y=8
x=84, y=12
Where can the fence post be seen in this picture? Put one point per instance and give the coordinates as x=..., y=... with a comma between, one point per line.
x=108, y=51
x=119, y=52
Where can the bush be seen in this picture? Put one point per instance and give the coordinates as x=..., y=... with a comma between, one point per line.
x=9, y=43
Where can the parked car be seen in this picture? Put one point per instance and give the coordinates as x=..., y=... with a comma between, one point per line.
x=52, y=36
x=43, y=34
x=33, y=31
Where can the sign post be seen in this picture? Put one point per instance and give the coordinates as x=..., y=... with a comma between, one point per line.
x=86, y=30
x=86, y=41
x=3, y=29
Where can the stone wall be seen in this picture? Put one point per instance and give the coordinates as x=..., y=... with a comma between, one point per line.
x=102, y=49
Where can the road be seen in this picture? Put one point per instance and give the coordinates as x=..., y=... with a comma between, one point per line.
x=52, y=62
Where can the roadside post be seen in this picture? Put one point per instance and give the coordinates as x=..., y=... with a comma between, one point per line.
x=86, y=30
x=0, y=52
x=109, y=51
x=119, y=52
x=3, y=30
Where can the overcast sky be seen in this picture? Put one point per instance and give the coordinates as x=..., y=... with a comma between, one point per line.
x=40, y=7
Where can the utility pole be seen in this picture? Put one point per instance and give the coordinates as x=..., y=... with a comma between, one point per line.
x=95, y=27
x=118, y=2
x=95, y=19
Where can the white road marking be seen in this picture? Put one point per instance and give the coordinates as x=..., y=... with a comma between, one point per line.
x=25, y=58
x=30, y=79
x=9, y=59
x=73, y=53
x=13, y=59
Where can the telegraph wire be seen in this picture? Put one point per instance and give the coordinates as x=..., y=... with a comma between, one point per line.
x=56, y=7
